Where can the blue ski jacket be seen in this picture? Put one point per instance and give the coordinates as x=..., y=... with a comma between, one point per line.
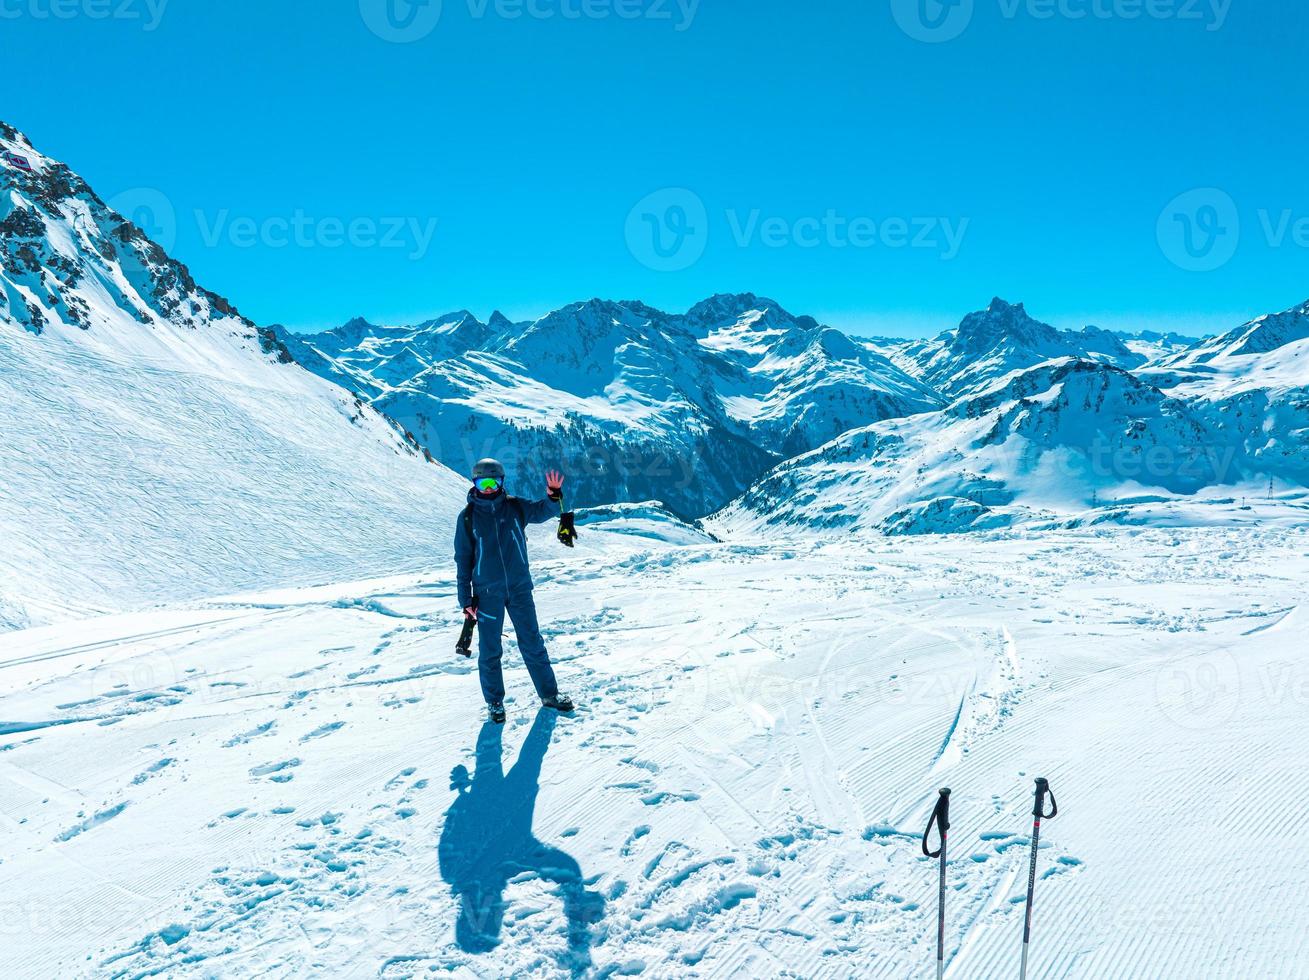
x=493, y=559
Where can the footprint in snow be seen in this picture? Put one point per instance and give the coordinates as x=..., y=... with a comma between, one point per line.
x=636, y=834
x=321, y=730
x=661, y=797
x=276, y=771
x=244, y=737
x=397, y=779
x=229, y=815
x=159, y=766
x=91, y=822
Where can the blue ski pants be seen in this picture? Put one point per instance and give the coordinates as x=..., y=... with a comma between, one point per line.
x=521, y=608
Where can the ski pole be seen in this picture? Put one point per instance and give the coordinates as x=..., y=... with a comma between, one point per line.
x=1038, y=814
x=940, y=817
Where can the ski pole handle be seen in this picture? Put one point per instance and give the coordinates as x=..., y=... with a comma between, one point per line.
x=1043, y=790
x=941, y=818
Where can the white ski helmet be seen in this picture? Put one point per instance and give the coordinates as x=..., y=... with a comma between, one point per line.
x=488, y=468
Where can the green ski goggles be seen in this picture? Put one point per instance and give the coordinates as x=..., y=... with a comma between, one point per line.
x=488, y=484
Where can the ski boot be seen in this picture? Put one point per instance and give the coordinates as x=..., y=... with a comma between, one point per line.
x=560, y=702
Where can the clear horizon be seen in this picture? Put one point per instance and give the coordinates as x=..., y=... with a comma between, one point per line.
x=1102, y=162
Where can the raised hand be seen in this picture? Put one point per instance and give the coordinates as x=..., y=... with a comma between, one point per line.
x=554, y=485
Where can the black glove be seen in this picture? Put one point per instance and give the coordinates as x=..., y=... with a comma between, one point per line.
x=567, y=531
x=464, y=645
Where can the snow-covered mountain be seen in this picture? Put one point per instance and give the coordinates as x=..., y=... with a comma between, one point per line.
x=1271, y=351
x=1003, y=419
x=1256, y=377
x=158, y=445
x=991, y=343
x=1072, y=437
x=686, y=408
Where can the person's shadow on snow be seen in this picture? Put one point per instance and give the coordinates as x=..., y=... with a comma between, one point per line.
x=487, y=840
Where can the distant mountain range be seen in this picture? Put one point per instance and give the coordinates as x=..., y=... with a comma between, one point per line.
x=1037, y=435
x=687, y=408
x=739, y=404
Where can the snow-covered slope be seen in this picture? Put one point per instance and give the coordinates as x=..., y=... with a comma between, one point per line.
x=686, y=408
x=991, y=343
x=1255, y=377
x=157, y=445
x=297, y=784
x=1269, y=352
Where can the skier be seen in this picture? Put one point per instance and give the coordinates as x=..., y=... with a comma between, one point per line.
x=494, y=578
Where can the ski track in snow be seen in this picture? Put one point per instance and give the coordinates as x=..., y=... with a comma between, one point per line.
x=270, y=784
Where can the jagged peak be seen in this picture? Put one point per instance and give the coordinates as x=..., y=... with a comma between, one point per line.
x=643, y=309
x=596, y=307
x=730, y=304
x=457, y=318
x=1001, y=321
x=586, y=321
x=355, y=325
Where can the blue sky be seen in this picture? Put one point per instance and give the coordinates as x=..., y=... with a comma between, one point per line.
x=882, y=165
